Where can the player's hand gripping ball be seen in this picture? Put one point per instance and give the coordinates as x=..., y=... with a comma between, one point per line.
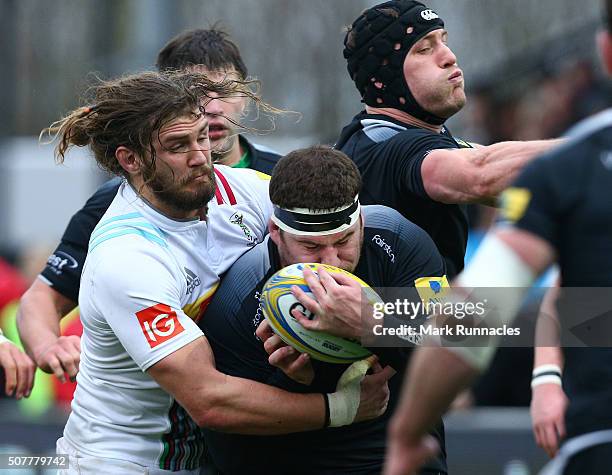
x=278, y=302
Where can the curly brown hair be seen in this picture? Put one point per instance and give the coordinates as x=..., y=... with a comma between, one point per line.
x=128, y=111
x=317, y=177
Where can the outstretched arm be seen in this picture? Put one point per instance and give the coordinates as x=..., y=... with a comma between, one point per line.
x=218, y=401
x=478, y=175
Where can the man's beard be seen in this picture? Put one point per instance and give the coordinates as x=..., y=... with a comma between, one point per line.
x=165, y=188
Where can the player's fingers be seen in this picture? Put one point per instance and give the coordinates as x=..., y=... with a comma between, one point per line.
x=314, y=283
x=283, y=357
x=56, y=367
x=376, y=367
x=550, y=440
x=328, y=280
x=264, y=330
x=537, y=436
x=22, y=373
x=31, y=372
x=560, y=426
x=308, y=302
x=10, y=371
x=300, y=362
x=388, y=372
x=273, y=343
x=343, y=279
x=72, y=363
x=303, y=320
x=72, y=368
x=67, y=362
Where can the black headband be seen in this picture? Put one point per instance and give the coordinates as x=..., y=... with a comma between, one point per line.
x=316, y=223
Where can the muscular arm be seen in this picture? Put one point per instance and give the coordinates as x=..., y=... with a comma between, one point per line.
x=477, y=175
x=231, y=404
x=40, y=311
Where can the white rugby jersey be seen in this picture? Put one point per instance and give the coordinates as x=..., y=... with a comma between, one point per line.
x=145, y=280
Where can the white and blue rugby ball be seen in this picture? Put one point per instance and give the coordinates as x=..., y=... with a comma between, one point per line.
x=278, y=302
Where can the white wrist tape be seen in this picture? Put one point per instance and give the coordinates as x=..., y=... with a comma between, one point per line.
x=344, y=403
x=3, y=339
x=494, y=265
x=546, y=379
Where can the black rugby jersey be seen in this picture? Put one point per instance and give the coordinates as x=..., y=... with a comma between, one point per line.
x=389, y=155
x=565, y=197
x=64, y=266
x=395, y=253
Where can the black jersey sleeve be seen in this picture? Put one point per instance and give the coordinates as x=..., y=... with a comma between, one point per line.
x=411, y=147
x=64, y=266
x=542, y=194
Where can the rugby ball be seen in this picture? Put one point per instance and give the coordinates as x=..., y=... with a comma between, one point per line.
x=278, y=302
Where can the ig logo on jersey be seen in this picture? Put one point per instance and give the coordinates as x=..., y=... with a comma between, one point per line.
x=159, y=324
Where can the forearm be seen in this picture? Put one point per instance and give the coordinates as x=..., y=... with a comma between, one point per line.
x=501, y=163
x=478, y=175
x=248, y=407
x=226, y=403
x=40, y=311
x=435, y=377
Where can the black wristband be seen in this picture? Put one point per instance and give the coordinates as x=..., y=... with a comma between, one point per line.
x=327, y=414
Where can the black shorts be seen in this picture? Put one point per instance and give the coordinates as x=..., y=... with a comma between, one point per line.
x=596, y=460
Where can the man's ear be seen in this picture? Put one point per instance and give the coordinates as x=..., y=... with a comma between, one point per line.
x=128, y=160
x=274, y=232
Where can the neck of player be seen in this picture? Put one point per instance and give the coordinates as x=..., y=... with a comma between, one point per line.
x=403, y=117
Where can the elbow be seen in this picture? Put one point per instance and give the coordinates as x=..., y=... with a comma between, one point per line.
x=25, y=302
x=212, y=415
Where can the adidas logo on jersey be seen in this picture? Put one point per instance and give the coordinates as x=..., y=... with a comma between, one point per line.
x=192, y=280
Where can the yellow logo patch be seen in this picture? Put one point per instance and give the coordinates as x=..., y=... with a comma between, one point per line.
x=262, y=175
x=463, y=144
x=432, y=289
x=514, y=202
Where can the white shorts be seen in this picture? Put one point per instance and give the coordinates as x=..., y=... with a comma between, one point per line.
x=80, y=464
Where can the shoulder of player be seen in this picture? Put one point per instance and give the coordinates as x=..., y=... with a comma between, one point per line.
x=250, y=268
x=383, y=221
x=398, y=141
x=126, y=234
x=241, y=184
x=132, y=261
